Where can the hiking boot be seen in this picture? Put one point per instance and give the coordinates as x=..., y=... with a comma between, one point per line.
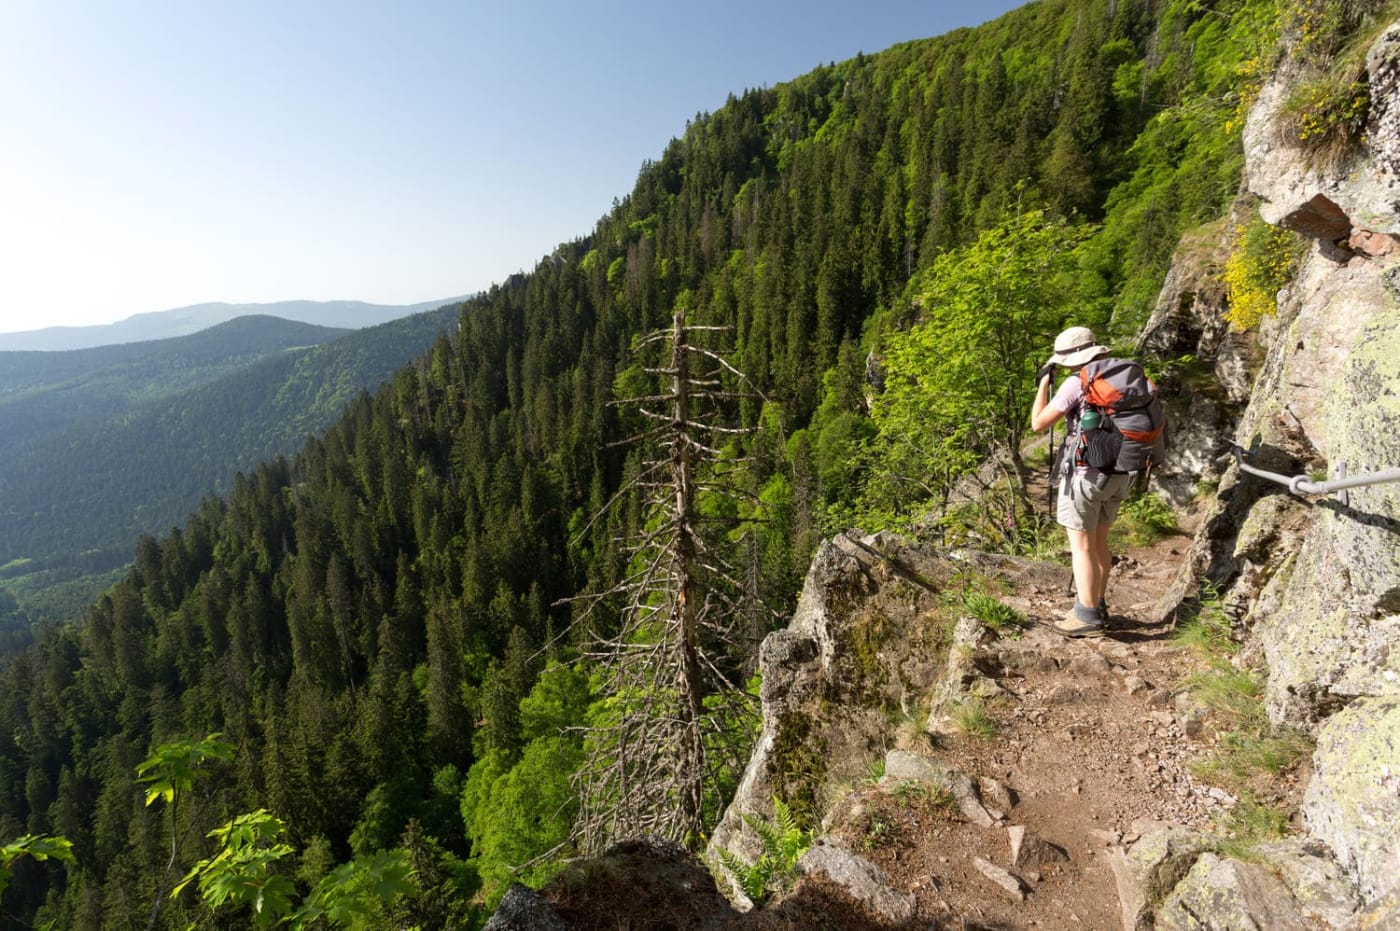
x=1105, y=617
x=1076, y=624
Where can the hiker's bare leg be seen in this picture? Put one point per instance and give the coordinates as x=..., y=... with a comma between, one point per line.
x=1103, y=560
x=1084, y=561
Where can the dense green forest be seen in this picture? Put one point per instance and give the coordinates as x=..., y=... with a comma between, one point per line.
x=380, y=627
x=185, y=415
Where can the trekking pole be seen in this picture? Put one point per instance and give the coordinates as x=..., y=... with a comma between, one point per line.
x=1050, y=474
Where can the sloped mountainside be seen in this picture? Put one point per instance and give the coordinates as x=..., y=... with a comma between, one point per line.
x=1085, y=810
x=184, y=321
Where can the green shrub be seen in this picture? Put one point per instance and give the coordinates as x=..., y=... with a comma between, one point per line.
x=1326, y=116
x=1144, y=520
x=1262, y=260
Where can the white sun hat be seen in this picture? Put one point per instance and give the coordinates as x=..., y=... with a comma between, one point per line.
x=1077, y=346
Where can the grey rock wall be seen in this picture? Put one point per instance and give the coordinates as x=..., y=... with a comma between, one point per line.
x=1331, y=202
x=1317, y=580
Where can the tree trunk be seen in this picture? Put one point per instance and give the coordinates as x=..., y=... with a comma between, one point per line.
x=691, y=770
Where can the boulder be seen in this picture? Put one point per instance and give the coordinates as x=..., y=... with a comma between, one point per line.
x=865, y=882
x=1330, y=624
x=1317, y=882
x=1381, y=914
x=524, y=909
x=858, y=646
x=1221, y=894
x=1352, y=803
x=1150, y=869
x=961, y=679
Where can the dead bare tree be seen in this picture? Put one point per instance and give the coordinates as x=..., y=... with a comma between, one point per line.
x=672, y=687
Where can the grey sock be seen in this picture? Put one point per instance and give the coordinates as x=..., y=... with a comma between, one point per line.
x=1086, y=614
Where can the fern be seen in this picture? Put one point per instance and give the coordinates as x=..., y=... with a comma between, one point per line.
x=783, y=841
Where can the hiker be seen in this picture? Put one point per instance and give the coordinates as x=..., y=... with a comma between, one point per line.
x=1115, y=436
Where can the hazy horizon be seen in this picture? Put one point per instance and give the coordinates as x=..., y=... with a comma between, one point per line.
x=170, y=156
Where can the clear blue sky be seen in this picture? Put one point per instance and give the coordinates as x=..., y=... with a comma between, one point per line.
x=159, y=154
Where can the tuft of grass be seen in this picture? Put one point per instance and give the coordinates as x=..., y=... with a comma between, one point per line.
x=924, y=794
x=1247, y=744
x=1326, y=115
x=877, y=831
x=972, y=718
x=994, y=613
x=1208, y=633
x=1248, y=824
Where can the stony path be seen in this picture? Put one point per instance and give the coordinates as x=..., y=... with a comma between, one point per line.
x=1092, y=743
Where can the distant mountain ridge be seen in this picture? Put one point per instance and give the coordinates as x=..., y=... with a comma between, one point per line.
x=74, y=496
x=183, y=321
x=46, y=392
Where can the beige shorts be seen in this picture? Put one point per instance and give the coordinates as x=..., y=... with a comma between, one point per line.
x=1083, y=506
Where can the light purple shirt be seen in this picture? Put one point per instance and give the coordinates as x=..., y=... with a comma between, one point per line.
x=1069, y=398
x=1068, y=401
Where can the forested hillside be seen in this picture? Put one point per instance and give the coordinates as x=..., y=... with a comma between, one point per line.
x=378, y=625
x=186, y=415
x=42, y=393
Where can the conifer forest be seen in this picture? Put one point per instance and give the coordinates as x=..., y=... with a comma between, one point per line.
x=379, y=658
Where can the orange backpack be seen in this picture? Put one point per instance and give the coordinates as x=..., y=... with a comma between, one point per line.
x=1128, y=434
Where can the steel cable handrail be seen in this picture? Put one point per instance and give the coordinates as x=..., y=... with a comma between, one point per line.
x=1304, y=485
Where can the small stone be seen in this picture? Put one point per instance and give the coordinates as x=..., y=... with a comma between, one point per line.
x=1030, y=849
x=1090, y=664
x=996, y=793
x=864, y=881
x=1192, y=722
x=1062, y=695
x=1135, y=685
x=1008, y=882
x=1104, y=838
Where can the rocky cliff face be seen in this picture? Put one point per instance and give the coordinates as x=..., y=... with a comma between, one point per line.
x=1324, y=605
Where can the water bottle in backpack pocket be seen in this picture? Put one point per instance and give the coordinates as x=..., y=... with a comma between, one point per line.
x=1100, y=442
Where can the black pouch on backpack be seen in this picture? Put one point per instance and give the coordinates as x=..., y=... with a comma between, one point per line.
x=1101, y=448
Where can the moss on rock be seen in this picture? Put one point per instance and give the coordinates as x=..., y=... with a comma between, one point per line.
x=1353, y=801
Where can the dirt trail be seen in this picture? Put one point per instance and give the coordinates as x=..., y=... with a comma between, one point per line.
x=1091, y=743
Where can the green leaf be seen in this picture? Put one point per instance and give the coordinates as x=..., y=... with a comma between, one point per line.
x=174, y=767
